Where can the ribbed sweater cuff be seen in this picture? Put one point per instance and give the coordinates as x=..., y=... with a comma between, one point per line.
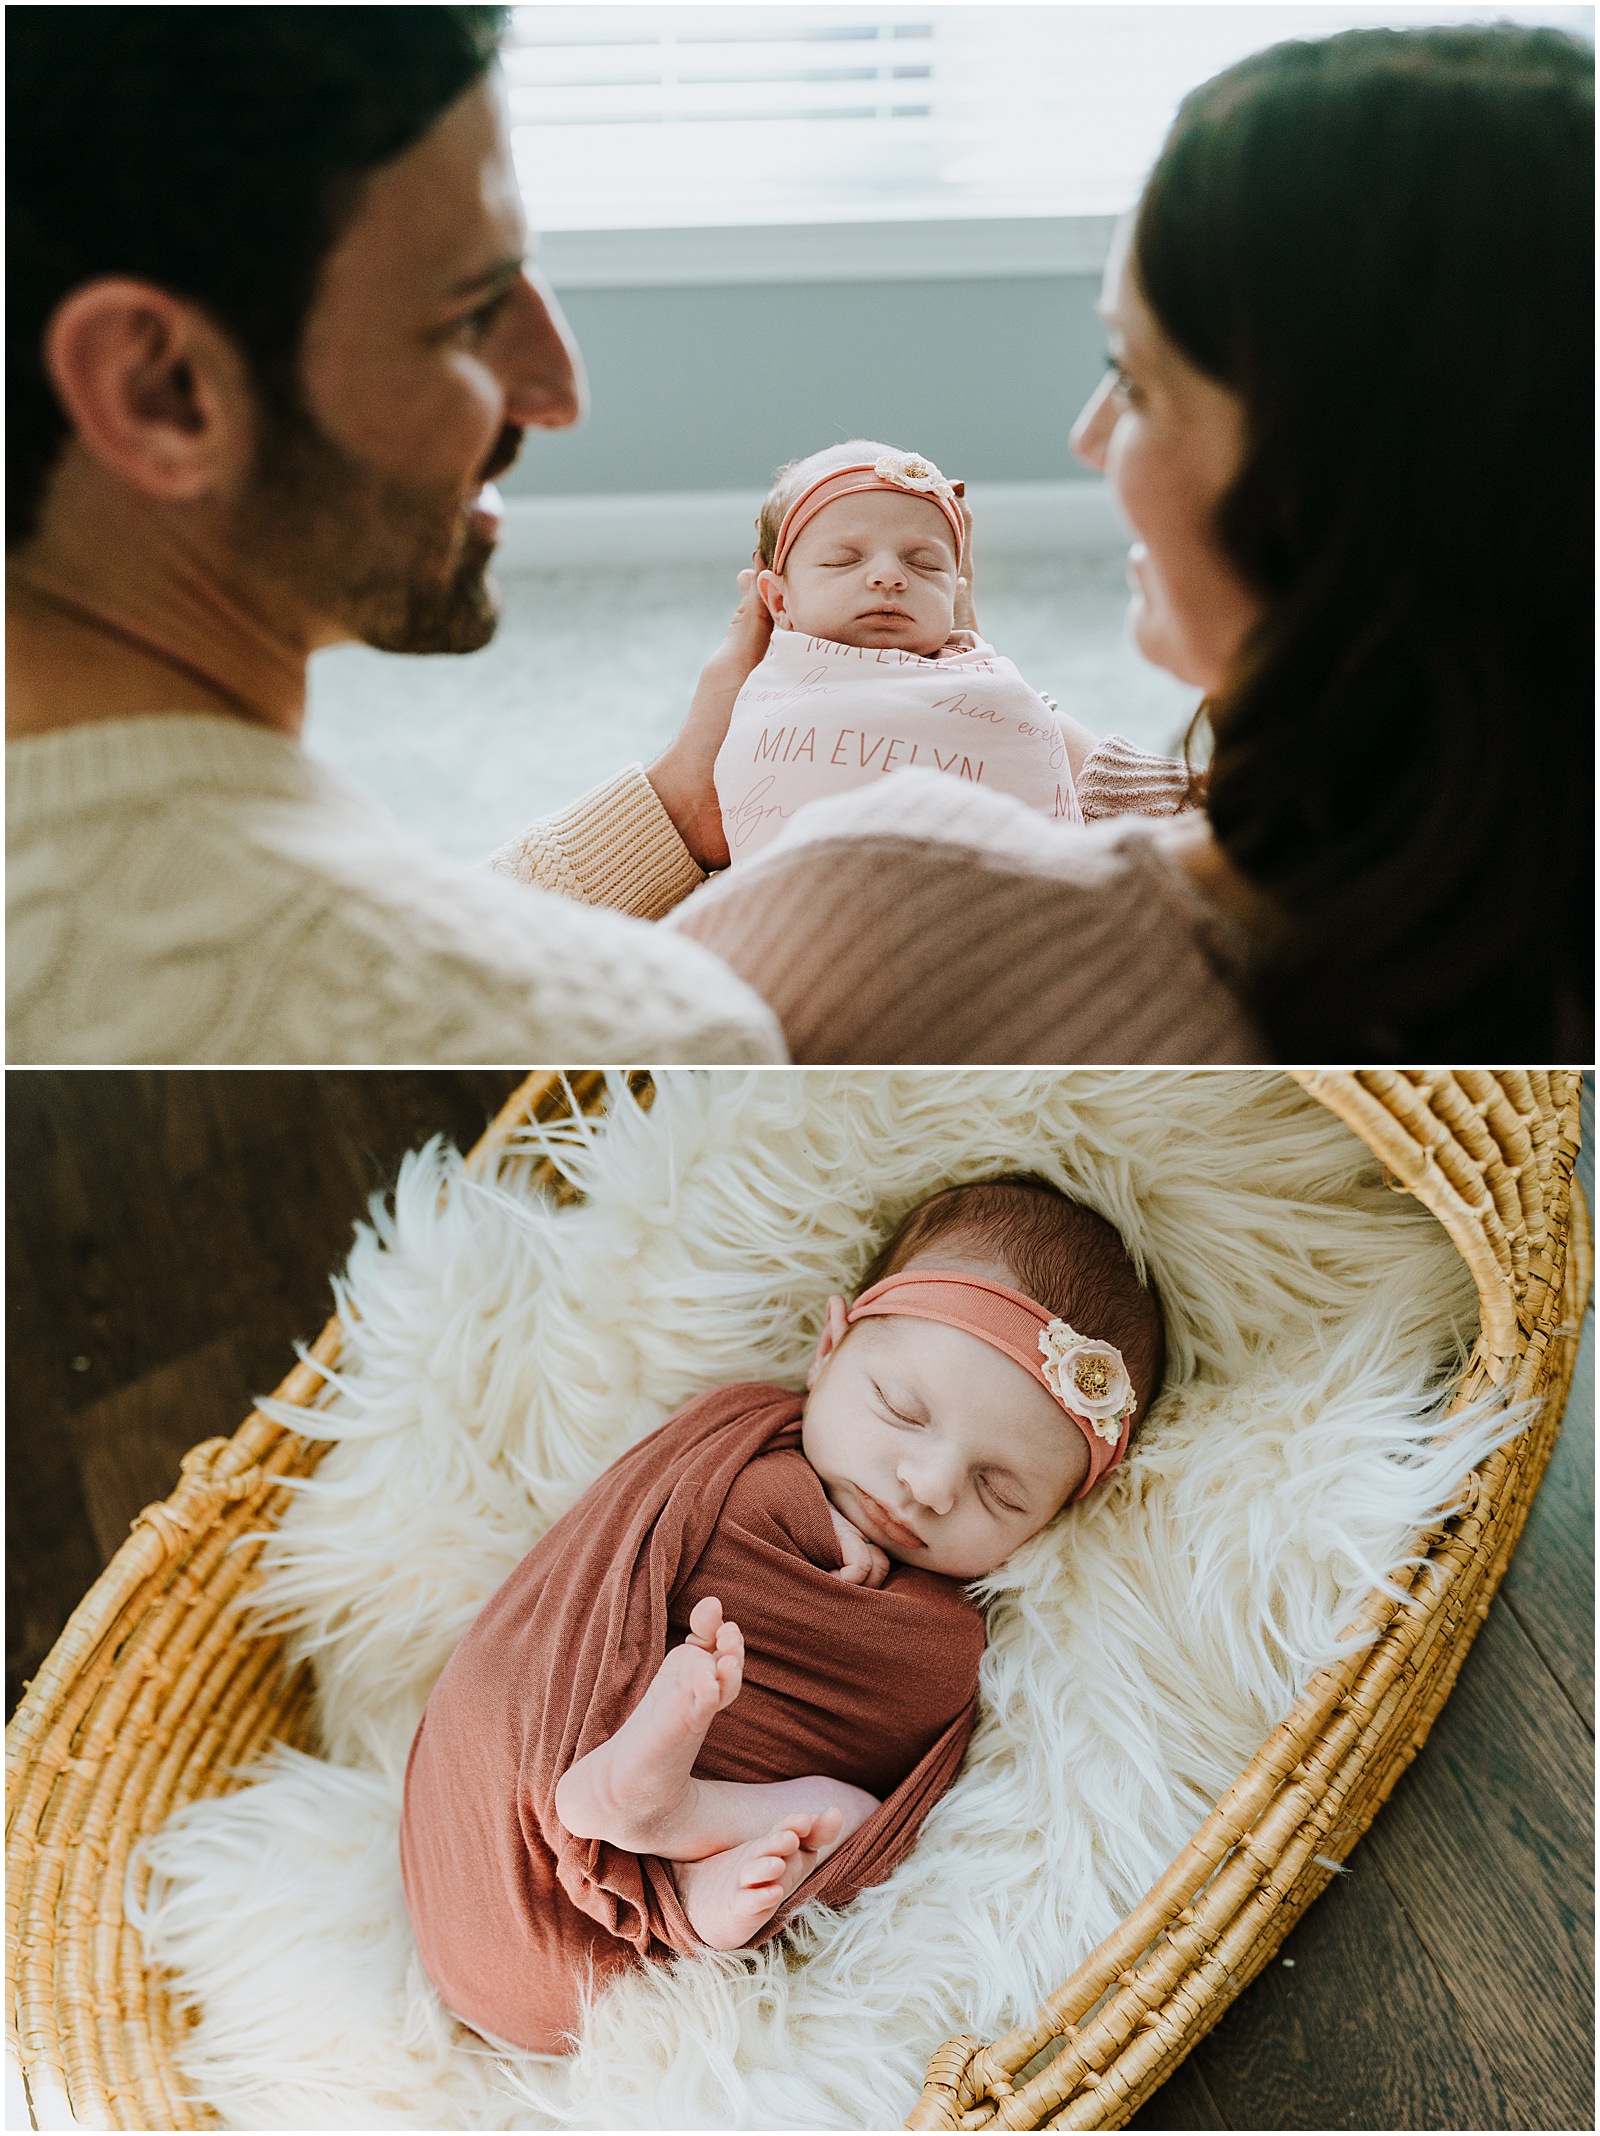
x=615, y=845
x=1120, y=780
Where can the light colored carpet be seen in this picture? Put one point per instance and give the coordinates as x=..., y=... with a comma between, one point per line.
x=501, y=1351
x=591, y=670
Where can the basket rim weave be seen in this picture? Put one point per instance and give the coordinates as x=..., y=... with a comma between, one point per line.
x=151, y=1697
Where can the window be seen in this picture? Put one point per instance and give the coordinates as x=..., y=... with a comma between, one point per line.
x=630, y=117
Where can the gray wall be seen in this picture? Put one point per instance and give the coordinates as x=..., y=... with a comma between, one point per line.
x=707, y=388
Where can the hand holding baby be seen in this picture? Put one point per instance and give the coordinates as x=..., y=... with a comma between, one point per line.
x=682, y=774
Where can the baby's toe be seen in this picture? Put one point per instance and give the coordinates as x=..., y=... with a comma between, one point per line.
x=705, y=1622
x=825, y=1828
x=694, y=1677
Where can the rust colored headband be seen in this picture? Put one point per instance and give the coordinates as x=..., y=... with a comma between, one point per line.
x=1086, y=1377
x=903, y=471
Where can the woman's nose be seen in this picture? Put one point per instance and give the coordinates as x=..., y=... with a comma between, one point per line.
x=1091, y=432
x=548, y=389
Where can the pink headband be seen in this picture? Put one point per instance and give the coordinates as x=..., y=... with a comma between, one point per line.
x=904, y=471
x=1087, y=1378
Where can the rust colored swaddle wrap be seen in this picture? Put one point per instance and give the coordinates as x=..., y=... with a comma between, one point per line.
x=515, y=1918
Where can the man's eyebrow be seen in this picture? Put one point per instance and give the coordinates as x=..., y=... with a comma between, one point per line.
x=502, y=272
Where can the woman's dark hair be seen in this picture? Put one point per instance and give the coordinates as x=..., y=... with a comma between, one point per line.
x=216, y=151
x=1383, y=243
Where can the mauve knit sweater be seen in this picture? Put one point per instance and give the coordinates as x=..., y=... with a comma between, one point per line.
x=923, y=920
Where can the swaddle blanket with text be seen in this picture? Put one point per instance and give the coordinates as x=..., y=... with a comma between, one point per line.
x=816, y=718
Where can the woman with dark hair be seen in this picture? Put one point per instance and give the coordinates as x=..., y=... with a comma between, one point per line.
x=1349, y=421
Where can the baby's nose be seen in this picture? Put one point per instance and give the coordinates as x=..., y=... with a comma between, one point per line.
x=931, y=1484
x=887, y=571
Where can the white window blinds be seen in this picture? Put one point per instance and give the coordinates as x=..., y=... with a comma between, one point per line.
x=635, y=117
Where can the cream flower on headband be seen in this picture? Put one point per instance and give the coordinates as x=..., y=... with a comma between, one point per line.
x=905, y=470
x=1087, y=1378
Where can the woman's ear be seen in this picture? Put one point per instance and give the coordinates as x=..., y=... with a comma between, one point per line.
x=770, y=588
x=835, y=1327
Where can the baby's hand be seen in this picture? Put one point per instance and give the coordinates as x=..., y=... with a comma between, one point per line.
x=683, y=774
x=864, y=1563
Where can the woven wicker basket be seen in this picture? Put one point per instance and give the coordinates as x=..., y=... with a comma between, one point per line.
x=154, y=1695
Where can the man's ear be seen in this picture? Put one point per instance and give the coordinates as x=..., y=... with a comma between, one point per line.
x=835, y=1327
x=154, y=391
x=770, y=588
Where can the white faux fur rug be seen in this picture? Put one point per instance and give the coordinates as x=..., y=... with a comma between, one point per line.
x=502, y=1351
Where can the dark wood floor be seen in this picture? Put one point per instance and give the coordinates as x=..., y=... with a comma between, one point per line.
x=169, y=1235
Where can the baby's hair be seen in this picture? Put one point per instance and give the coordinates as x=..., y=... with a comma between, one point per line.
x=789, y=481
x=1058, y=1252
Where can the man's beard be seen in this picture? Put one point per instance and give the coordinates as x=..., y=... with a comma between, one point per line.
x=398, y=567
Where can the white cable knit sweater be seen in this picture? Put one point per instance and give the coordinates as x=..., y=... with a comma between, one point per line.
x=188, y=888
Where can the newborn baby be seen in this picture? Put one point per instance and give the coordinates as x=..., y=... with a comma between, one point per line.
x=866, y=673
x=738, y=1673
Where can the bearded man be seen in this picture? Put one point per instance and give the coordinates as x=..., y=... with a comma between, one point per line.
x=271, y=334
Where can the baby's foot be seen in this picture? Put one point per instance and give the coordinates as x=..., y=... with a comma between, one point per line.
x=730, y=1896
x=637, y=1789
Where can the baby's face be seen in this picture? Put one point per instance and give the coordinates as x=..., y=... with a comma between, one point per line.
x=940, y=1449
x=878, y=569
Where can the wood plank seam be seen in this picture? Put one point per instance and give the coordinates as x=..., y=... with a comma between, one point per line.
x=1528, y=1633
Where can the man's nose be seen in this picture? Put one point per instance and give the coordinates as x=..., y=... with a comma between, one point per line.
x=548, y=389
x=1091, y=432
